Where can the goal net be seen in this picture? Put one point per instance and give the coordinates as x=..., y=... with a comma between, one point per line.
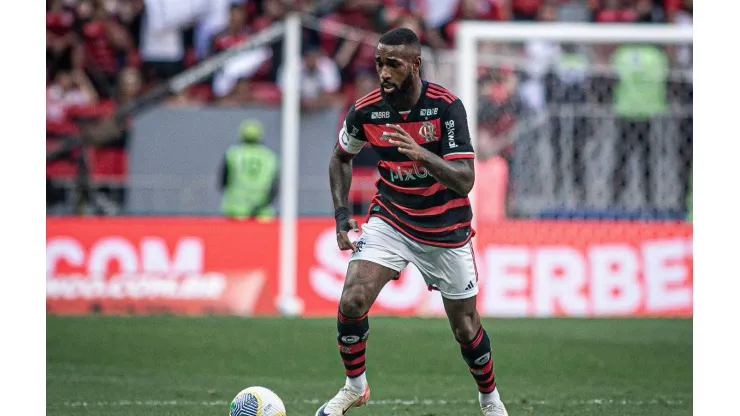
x=578, y=120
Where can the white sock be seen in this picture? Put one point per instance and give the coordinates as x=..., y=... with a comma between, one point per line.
x=488, y=398
x=357, y=383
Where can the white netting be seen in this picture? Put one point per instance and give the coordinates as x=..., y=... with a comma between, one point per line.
x=591, y=127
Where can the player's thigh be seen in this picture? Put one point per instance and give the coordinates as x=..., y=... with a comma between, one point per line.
x=451, y=270
x=381, y=255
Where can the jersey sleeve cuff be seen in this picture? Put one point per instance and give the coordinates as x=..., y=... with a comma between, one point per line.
x=459, y=155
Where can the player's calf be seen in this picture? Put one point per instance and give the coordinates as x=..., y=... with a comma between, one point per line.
x=364, y=282
x=352, y=334
x=475, y=345
x=477, y=353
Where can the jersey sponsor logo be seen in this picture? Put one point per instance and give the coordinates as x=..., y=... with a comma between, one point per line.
x=428, y=131
x=380, y=114
x=411, y=174
x=429, y=111
x=450, y=126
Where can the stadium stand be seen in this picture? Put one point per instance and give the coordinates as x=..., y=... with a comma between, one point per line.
x=91, y=43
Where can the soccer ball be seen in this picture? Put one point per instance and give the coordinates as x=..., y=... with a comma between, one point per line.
x=257, y=401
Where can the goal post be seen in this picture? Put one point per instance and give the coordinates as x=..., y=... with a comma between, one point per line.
x=471, y=36
x=287, y=301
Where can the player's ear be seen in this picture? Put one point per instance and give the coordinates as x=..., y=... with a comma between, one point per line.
x=417, y=64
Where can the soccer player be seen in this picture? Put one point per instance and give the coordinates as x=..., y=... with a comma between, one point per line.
x=421, y=214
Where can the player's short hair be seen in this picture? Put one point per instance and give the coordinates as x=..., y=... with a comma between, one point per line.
x=401, y=36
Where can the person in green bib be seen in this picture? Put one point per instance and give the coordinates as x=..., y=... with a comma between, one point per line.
x=249, y=175
x=640, y=101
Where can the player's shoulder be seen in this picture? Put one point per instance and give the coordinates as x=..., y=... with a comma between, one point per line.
x=440, y=95
x=368, y=101
x=368, y=109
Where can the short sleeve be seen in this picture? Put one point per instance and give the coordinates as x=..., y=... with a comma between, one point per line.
x=351, y=136
x=455, y=134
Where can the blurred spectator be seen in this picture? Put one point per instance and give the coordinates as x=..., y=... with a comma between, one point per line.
x=130, y=14
x=416, y=24
x=319, y=80
x=249, y=175
x=235, y=33
x=648, y=11
x=110, y=132
x=162, y=48
x=352, y=56
x=106, y=42
x=639, y=100
x=569, y=87
x=214, y=20
x=69, y=88
x=243, y=94
x=63, y=51
x=628, y=11
x=473, y=10
x=612, y=11
x=682, y=96
x=129, y=85
x=684, y=13
x=272, y=11
x=525, y=10
x=244, y=65
x=366, y=81
x=438, y=13
x=184, y=99
x=497, y=111
x=541, y=56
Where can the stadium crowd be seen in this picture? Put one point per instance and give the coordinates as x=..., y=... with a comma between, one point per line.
x=98, y=48
x=102, y=54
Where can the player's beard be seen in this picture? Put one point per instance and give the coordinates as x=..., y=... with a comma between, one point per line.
x=400, y=97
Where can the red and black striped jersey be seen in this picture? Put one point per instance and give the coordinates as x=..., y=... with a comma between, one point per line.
x=408, y=197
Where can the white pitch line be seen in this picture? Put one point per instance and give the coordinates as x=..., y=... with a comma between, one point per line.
x=388, y=402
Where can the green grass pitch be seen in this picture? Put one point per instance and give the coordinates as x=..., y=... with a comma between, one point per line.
x=183, y=366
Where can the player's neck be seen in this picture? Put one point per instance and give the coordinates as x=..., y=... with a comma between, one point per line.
x=412, y=98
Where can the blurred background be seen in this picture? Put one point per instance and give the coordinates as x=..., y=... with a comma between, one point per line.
x=580, y=145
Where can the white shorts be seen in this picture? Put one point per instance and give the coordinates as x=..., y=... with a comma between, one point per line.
x=450, y=270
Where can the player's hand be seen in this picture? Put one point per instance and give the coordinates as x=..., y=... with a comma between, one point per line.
x=405, y=143
x=343, y=237
x=344, y=224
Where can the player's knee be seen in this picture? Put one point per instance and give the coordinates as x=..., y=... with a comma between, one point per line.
x=465, y=327
x=354, y=303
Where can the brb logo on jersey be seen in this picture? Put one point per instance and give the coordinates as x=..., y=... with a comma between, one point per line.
x=428, y=131
x=380, y=114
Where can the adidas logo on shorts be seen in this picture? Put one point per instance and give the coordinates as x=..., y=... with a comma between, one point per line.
x=470, y=285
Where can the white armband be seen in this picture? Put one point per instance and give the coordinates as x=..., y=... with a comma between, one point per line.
x=348, y=142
